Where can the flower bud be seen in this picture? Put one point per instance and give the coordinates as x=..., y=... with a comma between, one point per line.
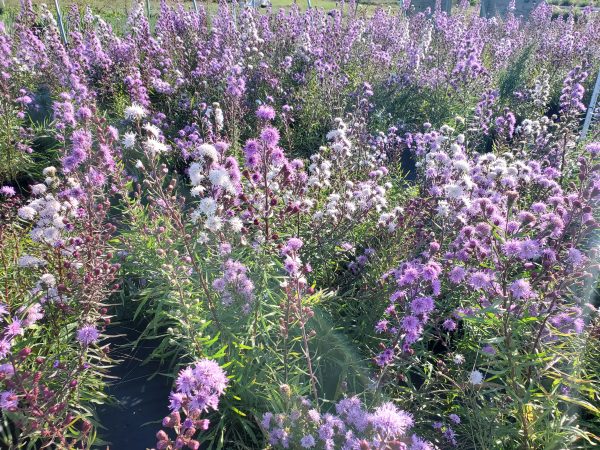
x=162, y=436
x=86, y=426
x=189, y=432
x=285, y=390
x=162, y=445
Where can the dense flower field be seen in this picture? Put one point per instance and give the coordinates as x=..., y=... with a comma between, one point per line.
x=337, y=231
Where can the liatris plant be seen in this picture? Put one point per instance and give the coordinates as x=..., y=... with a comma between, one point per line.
x=16, y=105
x=57, y=281
x=198, y=389
x=310, y=68
x=55, y=285
x=394, y=205
x=503, y=256
x=351, y=427
x=238, y=247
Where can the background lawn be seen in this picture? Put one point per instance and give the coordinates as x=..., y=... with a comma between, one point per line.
x=116, y=11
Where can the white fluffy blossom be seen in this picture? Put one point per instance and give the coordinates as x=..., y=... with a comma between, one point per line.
x=219, y=177
x=219, y=118
x=152, y=129
x=49, y=171
x=30, y=261
x=27, y=213
x=454, y=191
x=208, y=206
x=195, y=172
x=155, y=147
x=458, y=359
x=236, y=224
x=476, y=377
x=135, y=112
x=461, y=165
x=213, y=223
x=197, y=191
x=443, y=209
x=129, y=140
x=208, y=151
x=48, y=280
x=38, y=189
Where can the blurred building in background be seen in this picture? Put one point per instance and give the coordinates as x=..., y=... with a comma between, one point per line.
x=492, y=8
x=422, y=5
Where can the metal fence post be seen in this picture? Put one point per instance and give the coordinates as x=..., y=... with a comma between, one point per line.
x=61, y=26
x=591, y=108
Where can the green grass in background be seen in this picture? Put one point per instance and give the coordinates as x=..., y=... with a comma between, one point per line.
x=115, y=12
x=121, y=7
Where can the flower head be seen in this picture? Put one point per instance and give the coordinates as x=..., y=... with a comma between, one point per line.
x=87, y=335
x=265, y=112
x=454, y=418
x=476, y=377
x=391, y=422
x=135, y=112
x=129, y=140
x=521, y=289
x=270, y=136
x=199, y=387
x=307, y=441
x=8, y=401
x=7, y=191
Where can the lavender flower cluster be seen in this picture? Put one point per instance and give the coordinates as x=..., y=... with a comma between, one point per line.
x=503, y=224
x=198, y=389
x=351, y=427
x=58, y=273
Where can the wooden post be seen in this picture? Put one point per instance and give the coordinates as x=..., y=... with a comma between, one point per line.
x=591, y=108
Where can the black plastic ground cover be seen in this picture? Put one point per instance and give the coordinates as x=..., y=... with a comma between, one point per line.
x=140, y=401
